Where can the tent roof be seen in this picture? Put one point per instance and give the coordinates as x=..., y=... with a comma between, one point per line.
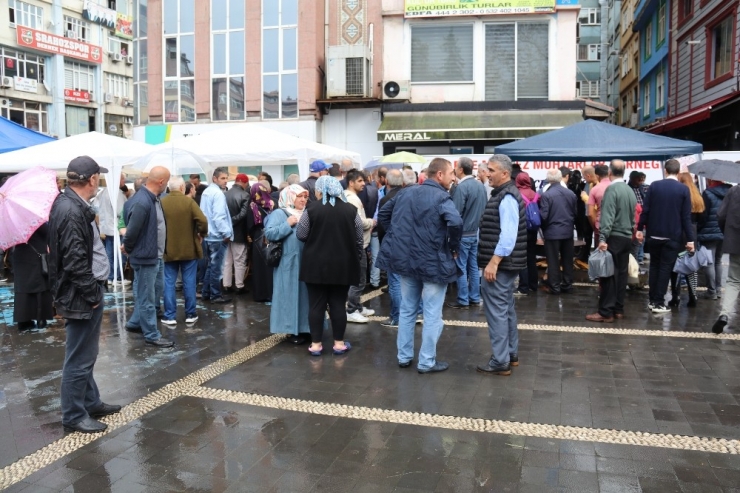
x=592, y=140
x=14, y=136
x=107, y=150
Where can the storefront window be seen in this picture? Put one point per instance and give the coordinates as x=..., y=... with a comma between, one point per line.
x=27, y=113
x=19, y=64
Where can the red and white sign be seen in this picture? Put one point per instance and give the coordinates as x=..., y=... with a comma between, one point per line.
x=51, y=43
x=76, y=96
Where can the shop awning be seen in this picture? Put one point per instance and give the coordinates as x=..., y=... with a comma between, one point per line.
x=472, y=125
x=688, y=118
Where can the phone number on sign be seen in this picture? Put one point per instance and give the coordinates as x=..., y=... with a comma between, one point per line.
x=437, y=13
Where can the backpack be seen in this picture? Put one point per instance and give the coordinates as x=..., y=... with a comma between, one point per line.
x=532, y=213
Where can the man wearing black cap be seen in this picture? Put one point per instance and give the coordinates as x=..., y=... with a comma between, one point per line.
x=78, y=270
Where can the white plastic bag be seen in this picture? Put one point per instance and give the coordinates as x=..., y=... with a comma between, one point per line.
x=634, y=268
x=600, y=264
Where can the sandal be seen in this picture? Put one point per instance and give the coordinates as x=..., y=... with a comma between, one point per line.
x=316, y=352
x=347, y=347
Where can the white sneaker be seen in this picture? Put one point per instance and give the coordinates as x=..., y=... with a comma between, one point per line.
x=367, y=312
x=660, y=309
x=169, y=322
x=191, y=320
x=357, y=318
x=125, y=282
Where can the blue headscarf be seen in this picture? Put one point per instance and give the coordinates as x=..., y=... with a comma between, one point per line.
x=330, y=189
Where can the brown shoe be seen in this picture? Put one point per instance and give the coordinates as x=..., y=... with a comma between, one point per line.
x=596, y=317
x=619, y=316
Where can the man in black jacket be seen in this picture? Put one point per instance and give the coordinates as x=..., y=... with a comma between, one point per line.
x=78, y=270
x=558, y=208
x=729, y=222
x=316, y=170
x=237, y=200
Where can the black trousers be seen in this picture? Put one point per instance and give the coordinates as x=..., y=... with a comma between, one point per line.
x=528, y=277
x=663, y=255
x=559, y=253
x=319, y=297
x=614, y=289
x=588, y=233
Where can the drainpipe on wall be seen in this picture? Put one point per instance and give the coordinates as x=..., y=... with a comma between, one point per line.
x=56, y=115
x=604, y=48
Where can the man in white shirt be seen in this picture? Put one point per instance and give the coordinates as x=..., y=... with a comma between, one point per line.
x=109, y=222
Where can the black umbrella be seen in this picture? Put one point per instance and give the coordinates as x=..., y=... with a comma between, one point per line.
x=717, y=169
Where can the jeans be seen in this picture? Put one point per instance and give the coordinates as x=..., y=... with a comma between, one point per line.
x=108, y=243
x=732, y=289
x=236, y=258
x=202, y=263
x=319, y=296
x=559, y=253
x=614, y=288
x=468, y=283
x=528, y=276
x=498, y=301
x=394, y=290
x=374, y=249
x=713, y=273
x=355, y=292
x=663, y=255
x=159, y=287
x=79, y=392
x=189, y=271
x=145, y=312
x=638, y=250
x=214, y=253
x=433, y=295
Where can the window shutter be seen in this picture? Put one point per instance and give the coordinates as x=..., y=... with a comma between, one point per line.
x=533, y=60
x=442, y=53
x=500, y=62
x=69, y=78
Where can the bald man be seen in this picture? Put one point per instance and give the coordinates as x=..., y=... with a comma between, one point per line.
x=146, y=234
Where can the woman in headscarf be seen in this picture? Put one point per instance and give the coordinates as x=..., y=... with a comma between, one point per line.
x=32, y=301
x=528, y=278
x=261, y=205
x=289, y=310
x=332, y=232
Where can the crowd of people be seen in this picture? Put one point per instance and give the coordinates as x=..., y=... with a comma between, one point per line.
x=310, y=247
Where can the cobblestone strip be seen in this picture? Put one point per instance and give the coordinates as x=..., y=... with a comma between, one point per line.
x=595, y=285
x=593, y=330
x=680, y=442
x=41, y=458
x=372, y=294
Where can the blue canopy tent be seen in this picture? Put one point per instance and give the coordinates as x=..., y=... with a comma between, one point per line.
x=14, y=136
x=592, y=140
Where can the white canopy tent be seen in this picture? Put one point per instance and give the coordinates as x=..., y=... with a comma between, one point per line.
x=247, y=144
x=108, y=151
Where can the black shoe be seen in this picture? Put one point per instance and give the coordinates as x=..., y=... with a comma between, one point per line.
x=104, y=410
x=134, y=329
x=438, y=366
x=406, y=364
x=298, y=340
x=161, y=342
x=24, y=326
x=87, y=425
x=495, y=370
x=514, y=359
x=719, y=325
x=457, y=306
x=384, y=289
x=241, y=290
x=389, y=323
x=674, y=302
x=475, y=303
x=692, y=302
x=220, y=300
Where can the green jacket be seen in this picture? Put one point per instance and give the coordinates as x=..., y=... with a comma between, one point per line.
x=185, y=221
x=617, y=211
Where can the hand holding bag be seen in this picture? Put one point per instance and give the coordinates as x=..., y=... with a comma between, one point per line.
x=600, y=264
x=687, y=263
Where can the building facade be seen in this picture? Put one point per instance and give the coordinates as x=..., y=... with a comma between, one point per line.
x=588, y=37
x=704, y=77
x=611, y=21
x=67, y=67
x=629, y=59
x=651, y=21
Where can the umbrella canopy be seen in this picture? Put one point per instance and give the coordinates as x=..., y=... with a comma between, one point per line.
x=591, y=140
x=178, y=161
x=377, y=163
x=14, y=136
x=25, y=203
x=403, y=157
x=109, y=152
x=247, y=144
x=717, y=169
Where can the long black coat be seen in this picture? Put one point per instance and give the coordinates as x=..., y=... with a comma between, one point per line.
x=27, y=264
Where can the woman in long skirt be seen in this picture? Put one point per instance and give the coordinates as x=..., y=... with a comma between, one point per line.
x=261, y=206
x=33, y=300
x=289, y=311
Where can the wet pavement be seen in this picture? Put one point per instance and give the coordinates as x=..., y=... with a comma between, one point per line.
x=265, y=416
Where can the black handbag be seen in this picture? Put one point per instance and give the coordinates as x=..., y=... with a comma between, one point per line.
x=272, y=251
x=44, y=257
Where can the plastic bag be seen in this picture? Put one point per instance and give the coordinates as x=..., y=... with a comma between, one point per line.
x=687, y=263
x=705, y=256
x=633, y=272
x=600, y=264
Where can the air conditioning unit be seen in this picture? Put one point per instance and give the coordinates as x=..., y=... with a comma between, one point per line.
x=116, y=57
x=130, y=60
x=5, y=103
x=396, y=89
x=70, y=34
x=127, y=102
x=6, y=82
x=108, y=97
x=348, y=71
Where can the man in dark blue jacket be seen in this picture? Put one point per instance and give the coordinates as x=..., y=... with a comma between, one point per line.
x=558, y=209
x=666, y=211
x=710, y=235
x=146, y=235
x=422, y=240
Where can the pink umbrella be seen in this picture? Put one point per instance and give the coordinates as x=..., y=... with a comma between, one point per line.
x=25, y=203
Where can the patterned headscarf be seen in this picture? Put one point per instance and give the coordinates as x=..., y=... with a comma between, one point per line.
x=260, y=199
x=330, y=189
x=287, y=199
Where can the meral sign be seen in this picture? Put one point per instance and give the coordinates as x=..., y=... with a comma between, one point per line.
x=446, y=8
x=396, y=136
x=51, y=43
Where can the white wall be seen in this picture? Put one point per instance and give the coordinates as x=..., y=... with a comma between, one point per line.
x=354, y=130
